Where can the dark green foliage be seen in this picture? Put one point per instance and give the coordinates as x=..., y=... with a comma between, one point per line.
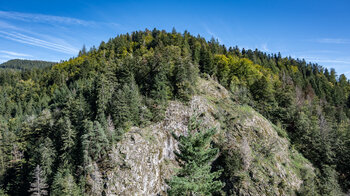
x=104, y=93
x=68, y=138
x=94, y=141
x=206, y=63
x=195, y=157
x=65, y=116
x=46, y=156
x=25, y=64
x=328, y=181
x=126, y=105
x=185, y=74
x=64, y=184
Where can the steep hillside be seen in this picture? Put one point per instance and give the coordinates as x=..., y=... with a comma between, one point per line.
x=144, y=158
x=101, y=123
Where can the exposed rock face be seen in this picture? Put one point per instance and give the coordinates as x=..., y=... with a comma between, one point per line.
x=144, y=158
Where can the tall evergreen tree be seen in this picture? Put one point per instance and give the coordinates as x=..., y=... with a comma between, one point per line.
x=121, y=112
x=185, y=75
x=94, y=141
x=195, y=157
x=39, y=186
x=68, y=138
x=206, y=63
x=46, y=156
x=104, y=95
x=64, y=184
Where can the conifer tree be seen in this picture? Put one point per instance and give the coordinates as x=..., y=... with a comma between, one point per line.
x=46, y=156
x=121, y=110
x=104, y=95
x=206, y=63
x=195, y=157
x=68, y=137
x=182, y=86
x=94, y=141
x=64, y=184
x=134, y=101
x=39, y=186
x=82, y=51
x=159, y=94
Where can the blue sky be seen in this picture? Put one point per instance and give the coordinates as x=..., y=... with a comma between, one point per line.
x=317, y=31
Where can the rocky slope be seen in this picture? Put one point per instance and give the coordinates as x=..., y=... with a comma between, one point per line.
x=256, y=155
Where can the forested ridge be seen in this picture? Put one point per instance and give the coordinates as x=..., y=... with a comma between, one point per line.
x=56, y=121
x=25, y=64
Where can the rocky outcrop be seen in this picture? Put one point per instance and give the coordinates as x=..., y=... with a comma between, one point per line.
x=144, y=158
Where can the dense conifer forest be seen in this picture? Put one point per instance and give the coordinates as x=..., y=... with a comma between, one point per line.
x=25, y=64
x=56, y=119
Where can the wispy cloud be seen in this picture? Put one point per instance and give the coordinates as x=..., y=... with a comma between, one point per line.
x=332, y=41
x=334, y=61
x=264, y=48
x=322, y=60
x=26, y=39
x=56, y=33
x=25, y=36
x=211, y=33
x=5, y=25
x=15, y=54
x=42, y=18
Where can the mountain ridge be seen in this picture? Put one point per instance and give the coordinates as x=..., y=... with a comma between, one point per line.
x=25, y=64
x=284, y=122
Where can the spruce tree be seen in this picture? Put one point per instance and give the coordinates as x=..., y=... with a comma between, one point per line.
x=121, y=110
x=64, y=184
x=104, y=95
x=206, y=63
x=134, y=101
x=159, y=95
x=94, y=141
x=195, y=156
x=39, y=186
x=46, y=155
x=68, y=137
x=182, y=86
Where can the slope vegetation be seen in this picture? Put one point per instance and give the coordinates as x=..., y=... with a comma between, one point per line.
x=257, y=160
x=25, y=64
x=101, y=123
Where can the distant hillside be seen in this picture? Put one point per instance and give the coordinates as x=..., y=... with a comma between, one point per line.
x=25, y=64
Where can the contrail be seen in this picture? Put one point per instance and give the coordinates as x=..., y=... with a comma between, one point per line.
x=18, y=37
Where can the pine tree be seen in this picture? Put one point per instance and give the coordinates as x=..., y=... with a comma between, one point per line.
x=262, y=90
x=94, y=141
x=159, y=95
x=134, y=102
x=206, y=63
x=195, y=156
x=121, y=110
x=68, y=137
x=82, y=51
x=39, y=186
x=46, y=156
x=185, y=75
x=64, y=184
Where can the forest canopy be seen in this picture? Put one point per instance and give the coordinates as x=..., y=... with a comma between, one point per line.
x=56, y=121
x=25, y=64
